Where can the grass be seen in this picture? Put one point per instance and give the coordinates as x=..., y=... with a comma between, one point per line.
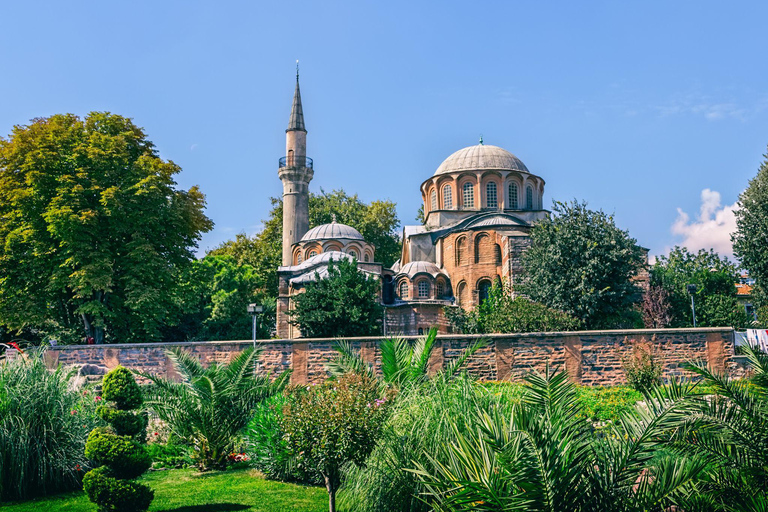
x=186, y=490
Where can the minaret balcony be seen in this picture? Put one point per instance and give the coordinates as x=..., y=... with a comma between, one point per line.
x=296, y=161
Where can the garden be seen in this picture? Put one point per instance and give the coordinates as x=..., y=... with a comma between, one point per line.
x=226, y=438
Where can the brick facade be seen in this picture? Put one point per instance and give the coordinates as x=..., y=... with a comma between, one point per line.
x=591, y=357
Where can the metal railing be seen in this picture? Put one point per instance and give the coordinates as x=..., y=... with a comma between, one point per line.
x=295, y=161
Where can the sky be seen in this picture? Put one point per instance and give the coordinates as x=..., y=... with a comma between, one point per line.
x=656, y=112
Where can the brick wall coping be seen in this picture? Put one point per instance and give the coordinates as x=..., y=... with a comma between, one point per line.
x=617, y=332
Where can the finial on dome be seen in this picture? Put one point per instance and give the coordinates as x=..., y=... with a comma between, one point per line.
x=481, y=139
x=297, y=70
x=333, y=218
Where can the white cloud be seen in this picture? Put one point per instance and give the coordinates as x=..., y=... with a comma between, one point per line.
x=712, y=228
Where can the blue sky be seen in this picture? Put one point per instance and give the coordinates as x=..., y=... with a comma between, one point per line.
x=642, y=109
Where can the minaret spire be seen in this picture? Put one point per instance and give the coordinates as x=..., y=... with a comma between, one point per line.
x=296, y=122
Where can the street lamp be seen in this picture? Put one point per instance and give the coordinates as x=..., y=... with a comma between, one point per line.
x=255, y=310
x=692, y=291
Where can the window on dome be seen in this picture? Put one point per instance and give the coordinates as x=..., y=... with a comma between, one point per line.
x=529, y=198
x=367, y=258
x=353, y=253
x=513, y=196
x=312, y=253
x=447, y=198
x=423, y=289
x=440, y=289
x=469, y=196
x=433, y=200
x=403, y=289
x=299, y=259
x=491, y=201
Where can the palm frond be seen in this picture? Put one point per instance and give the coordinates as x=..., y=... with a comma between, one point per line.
x=422, y=350
x=396, y=356
x=458, y=363
x=347, y=361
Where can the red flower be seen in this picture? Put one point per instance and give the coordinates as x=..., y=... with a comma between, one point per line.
x=73, y=411
x=77, y=467
x=97, y=399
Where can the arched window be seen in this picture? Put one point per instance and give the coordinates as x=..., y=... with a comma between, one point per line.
x=403, y=289
x=491, y=201
x=529, y=198
x=469, y=196
x=312, y=253
x=513, y=196
x=461, y=294
x=447, y=198
x=497, y=253
x=440, y=289
x=433, y=200
x=423, y=289
x=352, y=253
x=483, y=288
x=299, y=259
x=461, y=246
x=367, y=258
x=483, y=249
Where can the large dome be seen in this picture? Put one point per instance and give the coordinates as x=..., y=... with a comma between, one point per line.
x=481, y=157
x=332, y=231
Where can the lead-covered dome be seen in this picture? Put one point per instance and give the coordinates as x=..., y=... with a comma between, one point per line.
x=479, y=157
x=332, y=231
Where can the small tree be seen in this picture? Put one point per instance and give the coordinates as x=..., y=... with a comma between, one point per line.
x=120, y=449
x=335, y=423
x=343, y=304
x=642, y=367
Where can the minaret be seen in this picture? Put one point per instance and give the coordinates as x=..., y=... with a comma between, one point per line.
x=295, y=172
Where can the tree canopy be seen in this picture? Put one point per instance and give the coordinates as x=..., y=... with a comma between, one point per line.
x=343, y=304
x=715, y=278
x=750, y=241
x=581, y=263
x=93, y=231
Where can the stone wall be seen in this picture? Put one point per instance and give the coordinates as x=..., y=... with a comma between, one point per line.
x=591, y=357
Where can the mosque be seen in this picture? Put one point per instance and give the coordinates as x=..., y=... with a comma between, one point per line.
x=479, y=206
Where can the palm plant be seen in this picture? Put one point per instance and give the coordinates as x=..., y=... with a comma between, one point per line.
x=542, y=457
x=402, y=364
x=211, y=406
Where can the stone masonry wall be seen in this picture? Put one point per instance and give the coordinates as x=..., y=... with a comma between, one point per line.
x=591, y=357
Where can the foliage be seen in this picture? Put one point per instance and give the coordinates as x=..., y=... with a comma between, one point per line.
x=169, y=455
x=268, y=449
x=642, y=367
x=214, y=296
x=184, y=490
x=334, y=424
x=211, y=406
x=44, y=421
x=92, y=231
x=120, y=456
x=715, y=279
x=581, y=263
x=607, y=404
x=502, y=313
x=657, y=310
x=751, y=234
x=343, y=304
x=542, y=456
x=402, y=365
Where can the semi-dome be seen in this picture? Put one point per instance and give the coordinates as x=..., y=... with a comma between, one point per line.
x=332, y=231
x=479, y=157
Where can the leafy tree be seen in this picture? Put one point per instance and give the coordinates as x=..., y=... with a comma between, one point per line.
x=211, y=406
x=343, y=304
x=402, y=364
x=335, y=424
x=503, y=313
x=581, y=263
x=377, y=222
x=92, y=228
x=749, y=240
x=214, y=294
x=715, y=279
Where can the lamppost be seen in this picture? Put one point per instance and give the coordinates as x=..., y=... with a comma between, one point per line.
x=692, y=291
x=255, y=310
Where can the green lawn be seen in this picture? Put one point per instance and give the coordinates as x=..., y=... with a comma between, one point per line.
x=185, y=490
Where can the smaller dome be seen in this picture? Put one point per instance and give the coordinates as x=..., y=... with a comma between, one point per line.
x=332, y=231
x=481, y=157
x=420, y=267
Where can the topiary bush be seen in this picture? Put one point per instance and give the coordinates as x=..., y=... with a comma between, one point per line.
x=119, y=449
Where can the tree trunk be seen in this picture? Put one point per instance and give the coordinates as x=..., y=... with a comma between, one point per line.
x=330, y=485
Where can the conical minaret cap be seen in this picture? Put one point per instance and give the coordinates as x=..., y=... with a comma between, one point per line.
x=296, y=123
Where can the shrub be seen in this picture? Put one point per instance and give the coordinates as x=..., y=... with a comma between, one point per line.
x=333, y=424
x=211, y=407
x=116, y=449
x=44, y=421
x=642, y=367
